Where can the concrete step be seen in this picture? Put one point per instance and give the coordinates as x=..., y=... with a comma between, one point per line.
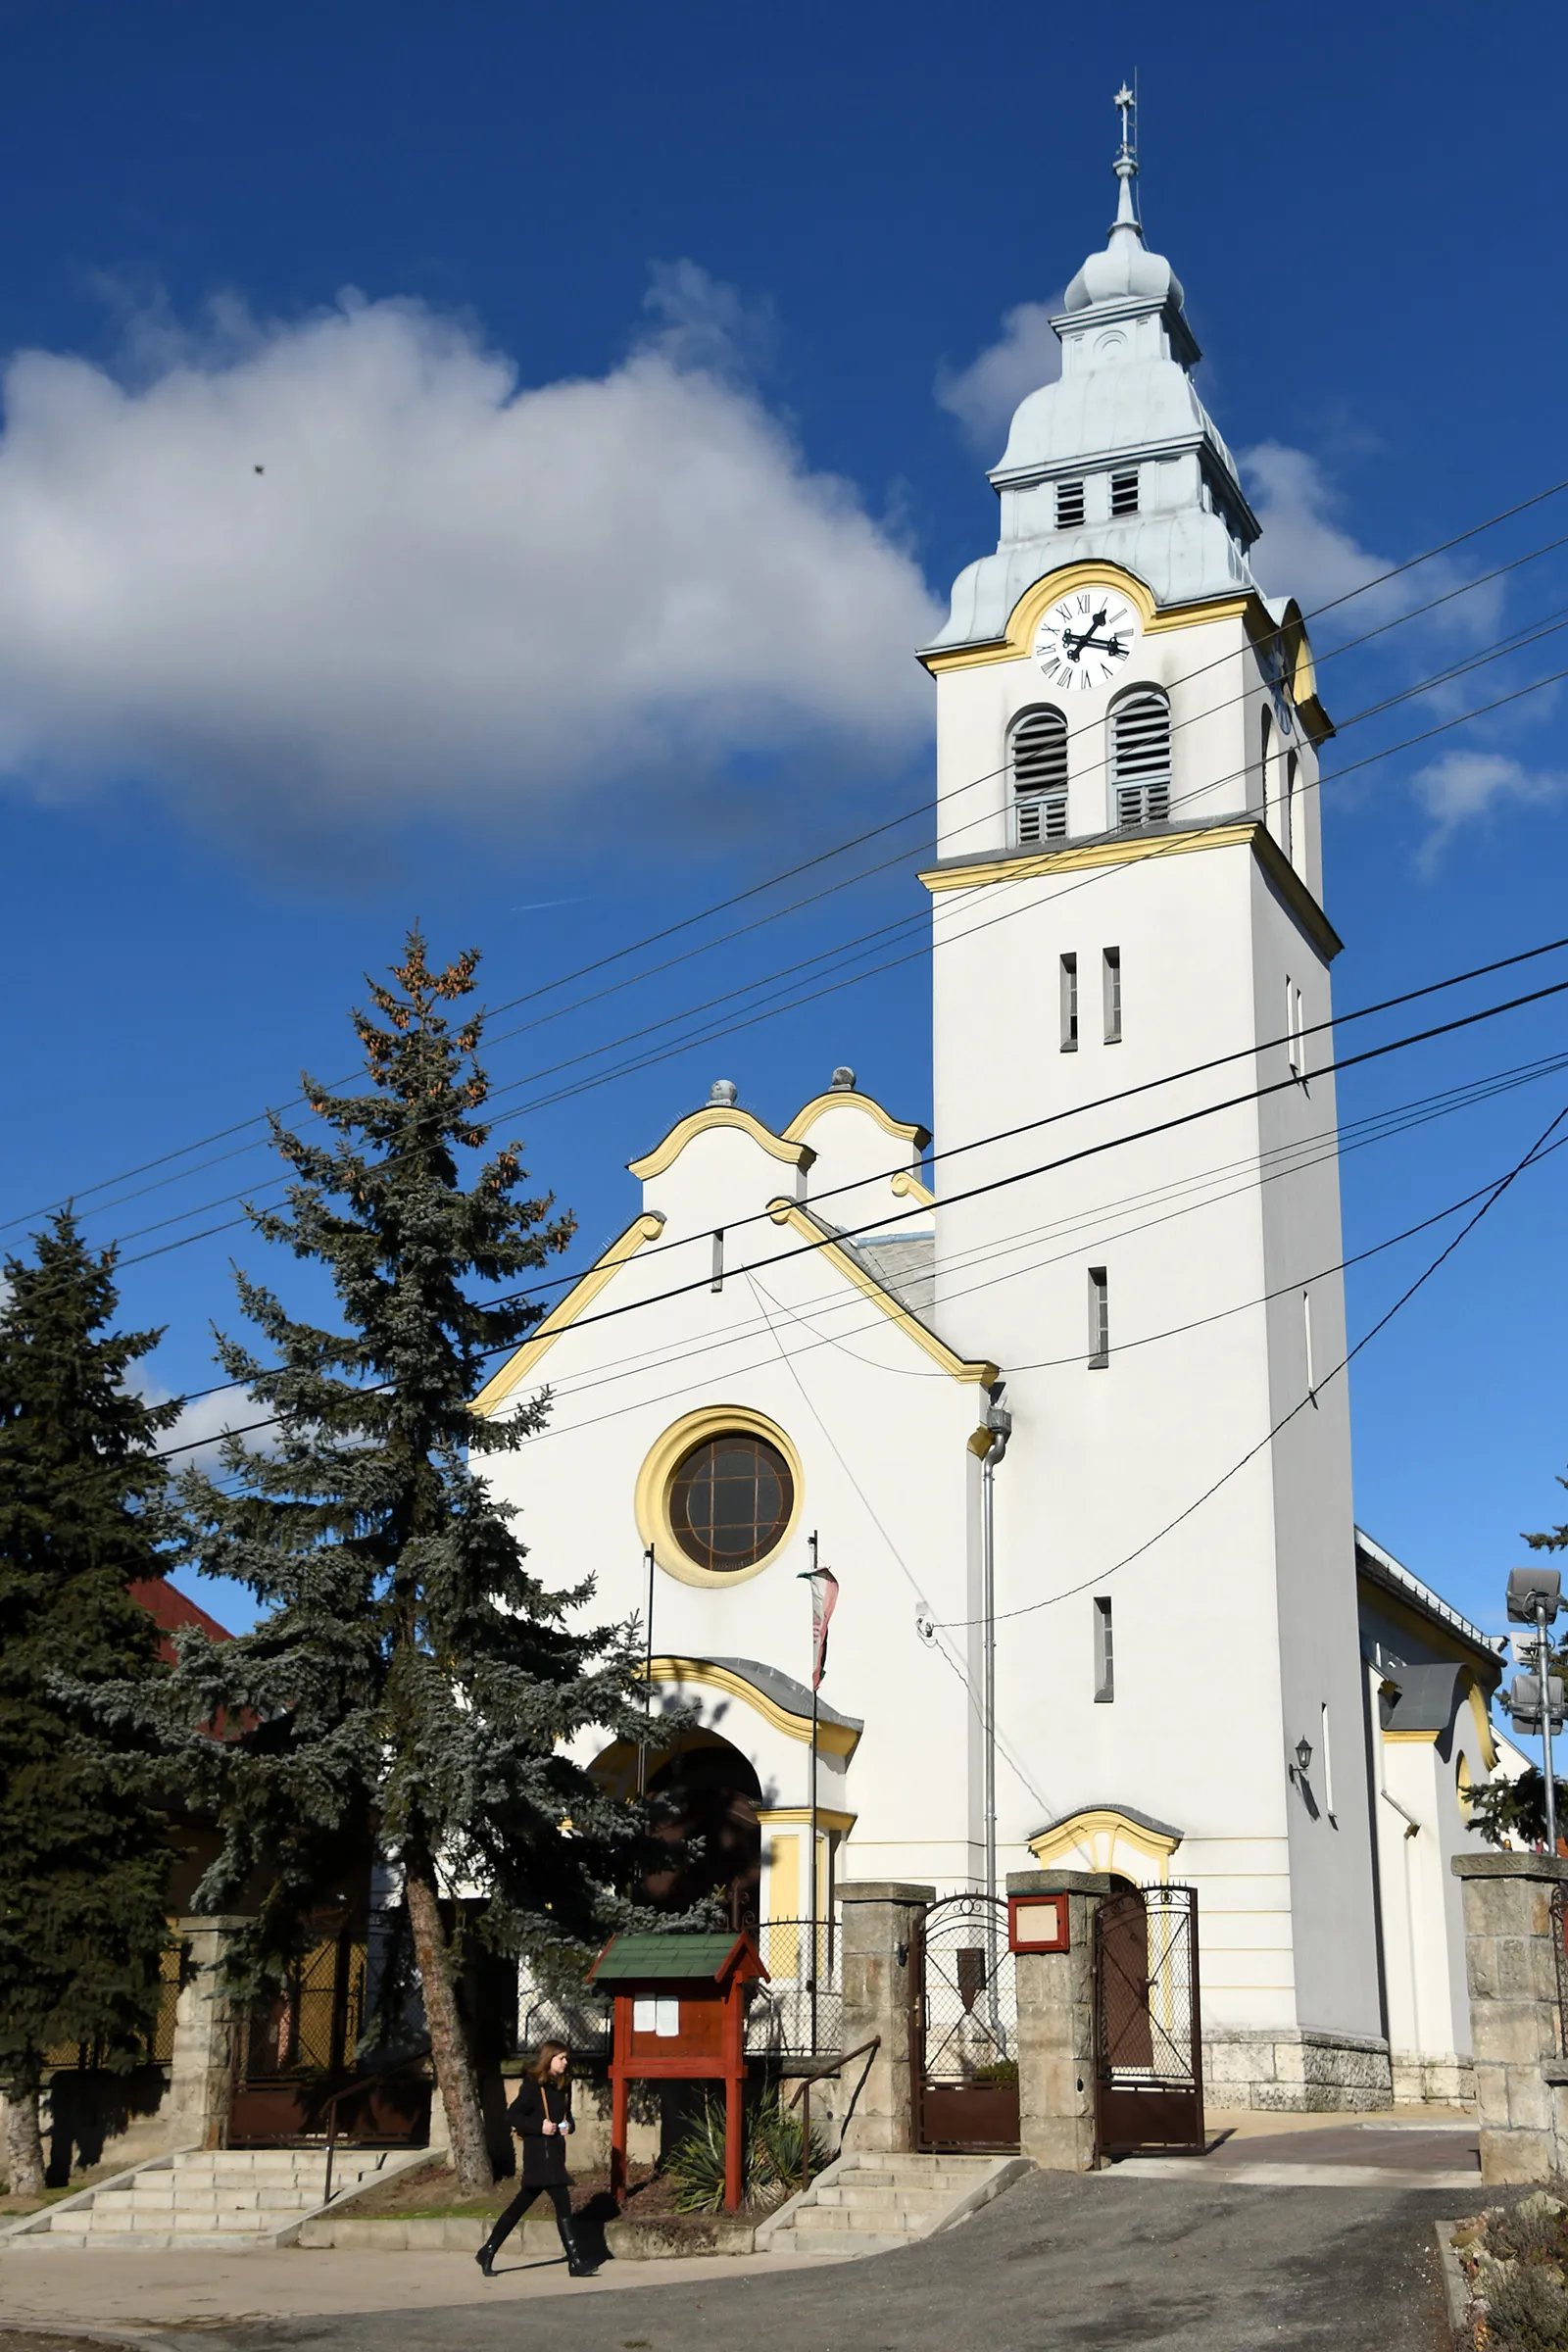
x=891, y=2201
x=830, y=2248
x=837, y=2221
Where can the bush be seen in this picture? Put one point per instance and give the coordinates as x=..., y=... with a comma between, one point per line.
x=770, y=2156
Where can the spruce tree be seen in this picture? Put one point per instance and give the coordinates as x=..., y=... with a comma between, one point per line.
x=83, y=1851
x=409, y=1679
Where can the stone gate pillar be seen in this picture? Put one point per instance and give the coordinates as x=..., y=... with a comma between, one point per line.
x=880, y=1920
x=1511, y=1970
x=1056, y=2027
x=201, y=2073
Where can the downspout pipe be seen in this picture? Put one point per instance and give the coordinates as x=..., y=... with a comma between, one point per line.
x=999, y=1423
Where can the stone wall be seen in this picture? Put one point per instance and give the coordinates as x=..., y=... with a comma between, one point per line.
x=1295, y=2070
x=1515, y=2026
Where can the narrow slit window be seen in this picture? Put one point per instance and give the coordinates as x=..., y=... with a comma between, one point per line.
x=1287, y=809
x=1105, y=1652
x=1070, y=505
x=1306, y=1335
x=1099, y=1319
x=1038, y=751
x=717, y=1282
x=1327, y=1753
x=1140, y=760
x=1069, y=1003
x=1124, y=492
x=1295, y=1031
x=1268, y=745
x=1111, y=978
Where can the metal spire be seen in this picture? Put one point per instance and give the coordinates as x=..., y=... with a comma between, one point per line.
x=1126, y=164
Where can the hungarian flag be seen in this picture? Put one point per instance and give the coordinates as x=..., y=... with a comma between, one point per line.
x=825, y=1600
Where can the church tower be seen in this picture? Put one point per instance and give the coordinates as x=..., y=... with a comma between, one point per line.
x=1129, y=939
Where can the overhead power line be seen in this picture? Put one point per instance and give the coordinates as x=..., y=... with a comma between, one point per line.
x=667, y=931
x=996, y=1184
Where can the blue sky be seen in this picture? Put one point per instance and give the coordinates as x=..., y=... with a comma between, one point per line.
x=621, y=384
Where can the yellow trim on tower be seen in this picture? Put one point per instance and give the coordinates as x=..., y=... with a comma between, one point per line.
x=1132, y=847
x=651, y=1500
x=1018, y=636
x=910, y=1187
x=787, y=1212
x=499, y=1386
x=835, y=1738
x=844, y=1097
x=718, y=1114
x=1097, y=1833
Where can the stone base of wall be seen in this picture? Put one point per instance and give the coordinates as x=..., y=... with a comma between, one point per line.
x=1423, y=2081
x=1296, y=2070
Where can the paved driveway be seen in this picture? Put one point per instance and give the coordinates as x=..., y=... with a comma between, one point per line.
x=1093, y=2263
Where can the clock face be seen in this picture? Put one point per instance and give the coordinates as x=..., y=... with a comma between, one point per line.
x=1085, y=638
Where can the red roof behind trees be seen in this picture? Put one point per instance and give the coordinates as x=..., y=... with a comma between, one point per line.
x=170, y=1611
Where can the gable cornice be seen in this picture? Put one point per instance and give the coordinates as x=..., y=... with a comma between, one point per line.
x=499, y=1386
x=719, y=1114
x=837, y=1253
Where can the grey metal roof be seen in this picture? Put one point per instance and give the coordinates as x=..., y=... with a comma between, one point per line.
x=1380, y=1567
x=785, y=1691
x=1426, y=1697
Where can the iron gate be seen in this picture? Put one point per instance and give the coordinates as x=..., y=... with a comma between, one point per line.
x=1148, y=2059
x=965, y=2026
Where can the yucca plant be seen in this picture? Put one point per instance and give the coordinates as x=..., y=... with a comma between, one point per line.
x=770, y=2156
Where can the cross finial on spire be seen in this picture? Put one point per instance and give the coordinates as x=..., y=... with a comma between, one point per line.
x=1126, y=163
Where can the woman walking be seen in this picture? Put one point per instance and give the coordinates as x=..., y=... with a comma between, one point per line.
x=541, y=2117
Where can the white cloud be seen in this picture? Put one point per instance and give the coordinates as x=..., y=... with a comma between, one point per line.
x=1305, y=553
x=1462, y=786
x=443, y=592
x=203, y=1424
x=984, y=395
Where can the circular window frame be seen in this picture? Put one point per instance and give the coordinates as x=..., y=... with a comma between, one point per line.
x=658, y=1475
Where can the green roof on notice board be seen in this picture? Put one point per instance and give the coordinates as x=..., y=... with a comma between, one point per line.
x=628, y=1959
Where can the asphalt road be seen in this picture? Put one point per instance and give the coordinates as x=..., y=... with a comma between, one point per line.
x=1091, y=2262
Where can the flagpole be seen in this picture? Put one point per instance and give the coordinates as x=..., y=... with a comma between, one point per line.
x=648, y=1676
x=812, y=1861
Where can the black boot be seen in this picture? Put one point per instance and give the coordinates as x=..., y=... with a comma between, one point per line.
x=578, y=2265
x=486, y=2259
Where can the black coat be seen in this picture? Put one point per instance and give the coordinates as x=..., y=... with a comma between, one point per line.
x=544, y=2154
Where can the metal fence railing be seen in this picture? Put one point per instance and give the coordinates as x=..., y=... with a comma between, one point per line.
x=799, y=2012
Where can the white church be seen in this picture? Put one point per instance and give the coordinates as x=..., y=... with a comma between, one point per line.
x=1055, y=1398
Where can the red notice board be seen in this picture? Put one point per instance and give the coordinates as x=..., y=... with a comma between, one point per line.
x=1037, y=1923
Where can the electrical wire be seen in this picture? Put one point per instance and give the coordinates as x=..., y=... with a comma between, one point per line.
x=739, y=897
x=1086, y=1152
x=1536, y=1151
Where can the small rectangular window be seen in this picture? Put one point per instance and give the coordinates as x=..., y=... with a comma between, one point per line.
x=1070, y=505
x=1124, y=493
x=717, y=1282
x=1295, y=1031
x=1111, y=985
x=1105, y=1652
x=1099, y=1319
x=1069, y=1003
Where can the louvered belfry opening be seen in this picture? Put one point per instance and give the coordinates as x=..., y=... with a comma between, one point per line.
x=1140, y=760
x=1039, y=776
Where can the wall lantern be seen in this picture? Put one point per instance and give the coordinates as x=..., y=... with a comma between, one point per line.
x=1304, y=1756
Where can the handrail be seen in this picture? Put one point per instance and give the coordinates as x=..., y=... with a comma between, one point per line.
x=330, y=2107
x=828, y=2066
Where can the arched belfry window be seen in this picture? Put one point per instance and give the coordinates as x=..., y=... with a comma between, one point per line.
x=1038, y=757
x=1140, y=760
